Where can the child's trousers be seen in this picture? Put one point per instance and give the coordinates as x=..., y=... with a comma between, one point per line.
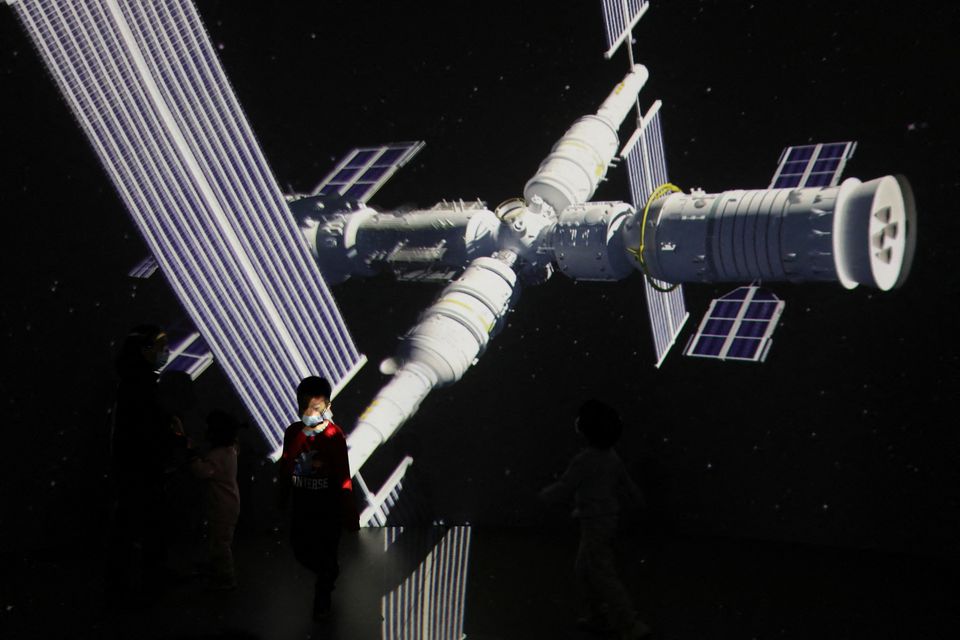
x=596, y=573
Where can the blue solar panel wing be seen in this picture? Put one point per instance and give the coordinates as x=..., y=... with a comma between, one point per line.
x=147, y=88
x=619, y=18
x=812, y=165
x=361, y=173
x=668, y=314
x=737, y=326
x=645, y=157
x=647, y=170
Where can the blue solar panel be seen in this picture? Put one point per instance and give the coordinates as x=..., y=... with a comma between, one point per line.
x=356, y=192
x=363, y=171
x=740, y=293
x=373, y=174
x=709, y=346
x=825, y=165
x=346, y=175
x=833, y=150
x=647, y=170
x=717, y=327
x=751, y=329
x=819, y=180
x=761, y=310
x=619, y=17
x=146, y=86
x=786, y=182
x=726, y=309
x=794, y=167
x=813, y=165
x=763, y=294
x=801, y=153
x=738, y=326
x=362, y=158
x=391, y=156
x=744, y=349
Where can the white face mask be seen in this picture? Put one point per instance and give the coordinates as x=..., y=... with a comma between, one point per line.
x=312, y=421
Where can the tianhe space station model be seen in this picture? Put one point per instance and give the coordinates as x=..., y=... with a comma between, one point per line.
x=145, y=83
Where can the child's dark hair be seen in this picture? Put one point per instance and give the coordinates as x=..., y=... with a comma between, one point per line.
x=311, y=387
x=222, y=429
x=599, y=423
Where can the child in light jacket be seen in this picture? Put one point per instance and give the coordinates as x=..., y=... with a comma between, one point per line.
x=218, y=470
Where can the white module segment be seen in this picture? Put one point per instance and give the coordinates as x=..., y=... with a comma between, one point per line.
x=588, y=244
x=579, y=160
x=874, y=232
x=855, y=233
x=362, y=241
x=451, y=334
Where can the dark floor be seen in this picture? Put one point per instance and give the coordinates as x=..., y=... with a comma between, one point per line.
x=486, y=584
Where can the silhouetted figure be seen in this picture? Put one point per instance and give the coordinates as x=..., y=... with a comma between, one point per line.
x=145, y=440
x=218, y=468
x=315, y=469
x=597, y=480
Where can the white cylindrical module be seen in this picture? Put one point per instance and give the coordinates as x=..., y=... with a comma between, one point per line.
x=362, y=241
x=579, y=160
x=855, y=233
x=393, y=405
x=449, y=337
x=875, y=232
x=587, y=242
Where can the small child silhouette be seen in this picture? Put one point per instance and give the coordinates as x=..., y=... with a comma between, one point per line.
x=597, y=480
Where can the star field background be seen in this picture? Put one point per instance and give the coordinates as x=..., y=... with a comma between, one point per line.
x=847, y=436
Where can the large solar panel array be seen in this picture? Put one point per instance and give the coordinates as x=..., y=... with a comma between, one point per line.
x=429, y=604
x=812, y=165
x=738, y=326
x=145, y=84
x=647, y=170
x=619, y=18
x=362, y=172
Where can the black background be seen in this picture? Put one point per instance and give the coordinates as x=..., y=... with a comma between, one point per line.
x=846, y=436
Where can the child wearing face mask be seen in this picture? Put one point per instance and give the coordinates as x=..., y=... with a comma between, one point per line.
x=314, y=468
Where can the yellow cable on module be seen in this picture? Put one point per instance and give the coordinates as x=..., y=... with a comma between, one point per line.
x=637, y=253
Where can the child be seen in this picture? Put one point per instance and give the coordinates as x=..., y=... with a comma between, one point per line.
x=315, y=467
x=222, y=495
x=596, y=478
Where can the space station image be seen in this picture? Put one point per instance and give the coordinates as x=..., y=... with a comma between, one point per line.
x=624, y=319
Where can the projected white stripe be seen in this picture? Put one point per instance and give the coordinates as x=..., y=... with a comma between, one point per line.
x=148, y=92
x=429, y=604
